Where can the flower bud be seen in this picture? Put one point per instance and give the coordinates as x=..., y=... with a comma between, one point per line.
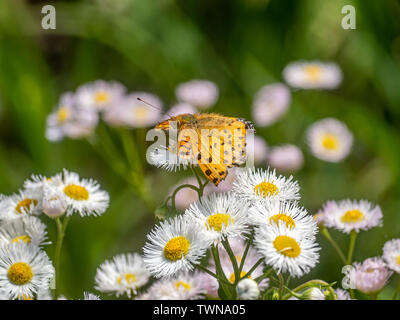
x=54, y=204
x=247, y=289
x=313, y=294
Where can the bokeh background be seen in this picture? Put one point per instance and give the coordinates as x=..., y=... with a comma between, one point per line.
x=241, y=45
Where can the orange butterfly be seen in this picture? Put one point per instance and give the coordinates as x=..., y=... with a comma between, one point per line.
x=214, y=141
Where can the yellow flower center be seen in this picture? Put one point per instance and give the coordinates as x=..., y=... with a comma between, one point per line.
x=62, y=114
x=313, y=72
x=330, y=141
x=287, y=246
x=20, y=273
x=141, y=112
x=398, y=259
x=101, y=96
x=232, y=278
x=130, y=278
x=352, y=216
x=24, y=238
x=215, y=221
x=284, y=218
x=25, y=204
x=266, y=189
x=176, y=248
x=76, y=192
x=24, y=297
x=184, y=285
x=239, y=259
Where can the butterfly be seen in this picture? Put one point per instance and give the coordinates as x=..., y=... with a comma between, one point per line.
x=214, y=141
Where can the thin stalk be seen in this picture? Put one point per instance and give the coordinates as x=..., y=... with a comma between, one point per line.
x=246, y=250
x=232, y=257
x=396, y=292
x=248, y=274
x=179, y=188
x=333, y=243
x=61, y=228
x=353, y=237
x=281, y=285
x=263, y=276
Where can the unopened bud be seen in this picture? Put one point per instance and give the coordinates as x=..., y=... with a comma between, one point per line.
x=247, y=289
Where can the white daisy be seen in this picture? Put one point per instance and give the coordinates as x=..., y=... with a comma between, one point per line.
x=174, y=245
x=219, y=215
x=124, y=274
x=291, y=214
x=99, y=95
x=202, y=94
x=271, y=102
x=329, y=140
x=184, y=286
x=286, y=158
x=26, y=202
x=348, y=215
x=28, y=229
x=286, y=250
x=313, y=75
x=168, y=158
x=69, y=120
x=247, y=289
x=90, y=296
x=265, y=185
x=83, y=195
x=391, y=254
x=24, y=269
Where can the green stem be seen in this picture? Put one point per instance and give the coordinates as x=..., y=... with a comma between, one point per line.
x=177, y=190
x=281, y=285
x=220, y=272
x=232, y=257
x=333, y=243
x=200, y=267
x=248, y=274
x=396, y=292
x=353, y=237
x=246, y=250
x=263, y=276
x=313, y=283
x=61, y=228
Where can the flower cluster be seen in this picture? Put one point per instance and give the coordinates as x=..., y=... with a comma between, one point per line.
x=26, y=271
x=77, y=114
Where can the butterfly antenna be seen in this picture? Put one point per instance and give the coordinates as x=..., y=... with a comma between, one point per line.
x=152, y=105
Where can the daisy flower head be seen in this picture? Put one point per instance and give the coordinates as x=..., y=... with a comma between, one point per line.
x=286, y=250
x=26, y=202
x=184, y=286
x=370, y=276
x=70, y=120
x=24, y=269
x=139, y=114
x=271, y=102
x=124, y=274
x=28, y=229
x=99, y=95
x=342, y=294
x=83, y=195
x=220, y=216
x=286, y=158
x=202, y=94
x=168, y=157
x=265, y=185
x=90, y=296
x=293, y=216
x=247, y=289
x=348, y=215
x=391, y=254
x=313, y=75
x=174, y=245
x=330, y=140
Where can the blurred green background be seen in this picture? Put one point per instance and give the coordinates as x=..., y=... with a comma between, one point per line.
x=239, y=44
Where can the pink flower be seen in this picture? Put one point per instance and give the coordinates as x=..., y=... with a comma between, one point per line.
x=370, y=276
